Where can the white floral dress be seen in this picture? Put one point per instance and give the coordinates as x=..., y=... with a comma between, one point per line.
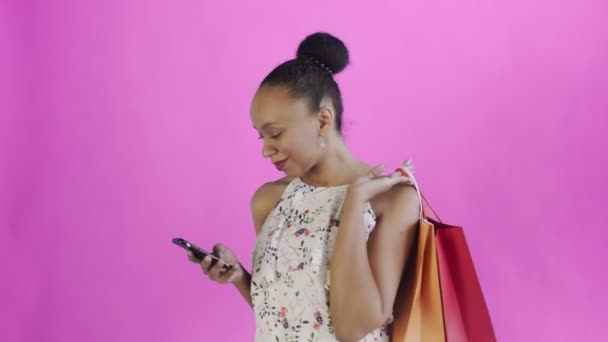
x=290, y=282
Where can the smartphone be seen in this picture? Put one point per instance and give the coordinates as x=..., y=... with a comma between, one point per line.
x=199, y=253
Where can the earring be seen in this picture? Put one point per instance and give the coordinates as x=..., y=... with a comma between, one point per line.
x=322, y=141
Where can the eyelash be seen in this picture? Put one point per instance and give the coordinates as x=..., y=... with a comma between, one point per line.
x=271, y=137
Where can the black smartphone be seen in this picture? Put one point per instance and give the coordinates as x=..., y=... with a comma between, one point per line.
x=199, y=253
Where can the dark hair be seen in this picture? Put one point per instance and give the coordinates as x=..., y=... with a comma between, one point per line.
x=310, y=75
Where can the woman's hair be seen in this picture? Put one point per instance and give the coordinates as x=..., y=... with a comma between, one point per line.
x=310, y=75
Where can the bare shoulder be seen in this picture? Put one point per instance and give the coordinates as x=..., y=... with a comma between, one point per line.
x=265, y=198
x=271, y=190
x=400, y=202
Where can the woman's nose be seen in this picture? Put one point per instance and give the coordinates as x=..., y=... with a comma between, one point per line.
x=268, y=150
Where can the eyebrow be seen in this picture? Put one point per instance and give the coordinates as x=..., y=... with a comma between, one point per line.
x=266, y=125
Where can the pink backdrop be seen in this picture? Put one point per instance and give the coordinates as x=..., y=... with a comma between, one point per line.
x=125, y=123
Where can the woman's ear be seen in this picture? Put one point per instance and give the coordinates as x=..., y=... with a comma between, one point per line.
x=326, y=116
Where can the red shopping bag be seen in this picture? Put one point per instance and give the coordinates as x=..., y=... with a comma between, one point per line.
x=465, y=314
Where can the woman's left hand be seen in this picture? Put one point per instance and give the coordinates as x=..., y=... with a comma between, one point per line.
x=375, y=183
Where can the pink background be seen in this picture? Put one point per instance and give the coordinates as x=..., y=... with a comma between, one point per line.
x=125, y=123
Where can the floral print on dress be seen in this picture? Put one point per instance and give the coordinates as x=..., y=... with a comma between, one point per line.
x=291, y=261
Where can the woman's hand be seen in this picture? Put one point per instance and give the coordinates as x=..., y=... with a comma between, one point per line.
x=375, y=183
x=216, y=272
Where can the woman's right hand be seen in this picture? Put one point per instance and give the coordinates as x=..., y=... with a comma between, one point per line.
x=216, y=272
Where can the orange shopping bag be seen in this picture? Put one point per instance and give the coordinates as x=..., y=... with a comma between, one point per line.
x=417, y=310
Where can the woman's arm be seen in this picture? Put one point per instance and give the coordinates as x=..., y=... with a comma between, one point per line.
x=365, y=274
x=262, y=203
x=244, y=287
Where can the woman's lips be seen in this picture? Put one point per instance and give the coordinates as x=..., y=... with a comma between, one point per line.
x=280, y=165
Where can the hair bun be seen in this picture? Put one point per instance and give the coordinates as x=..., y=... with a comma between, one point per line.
x=326, y=49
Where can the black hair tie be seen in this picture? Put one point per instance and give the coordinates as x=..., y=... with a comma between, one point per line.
x=312, y=60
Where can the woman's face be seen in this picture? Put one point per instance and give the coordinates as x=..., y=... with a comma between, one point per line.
x=289, y=131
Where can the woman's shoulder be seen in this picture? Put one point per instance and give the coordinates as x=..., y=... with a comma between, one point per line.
x=398, y=198
x=272, y=189
x=265, y=198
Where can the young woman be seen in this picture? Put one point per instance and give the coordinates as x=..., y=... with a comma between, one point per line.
x=333, y=235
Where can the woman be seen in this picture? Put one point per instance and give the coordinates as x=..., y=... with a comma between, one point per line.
x=333, y=235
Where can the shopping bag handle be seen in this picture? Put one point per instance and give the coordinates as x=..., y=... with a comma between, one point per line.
x=405, y=170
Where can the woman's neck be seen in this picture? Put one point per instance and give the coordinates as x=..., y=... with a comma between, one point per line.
x=337, y=167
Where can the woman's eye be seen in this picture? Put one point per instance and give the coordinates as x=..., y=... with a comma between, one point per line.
x=271, y=136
